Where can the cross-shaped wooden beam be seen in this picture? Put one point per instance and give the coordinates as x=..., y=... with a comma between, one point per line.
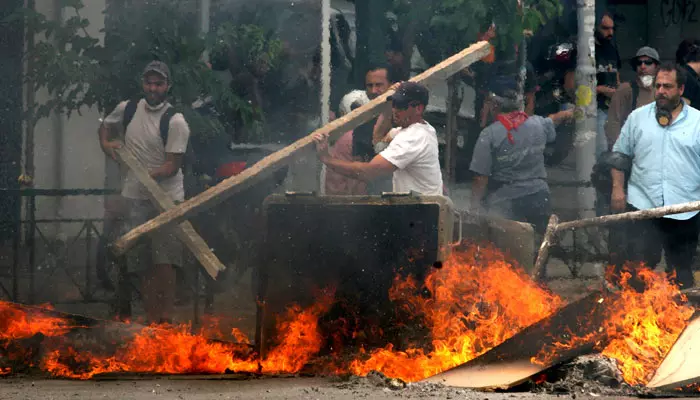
x=185, y=231
x=281, y=158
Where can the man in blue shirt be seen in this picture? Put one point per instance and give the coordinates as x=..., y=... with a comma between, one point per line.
x=663, y=140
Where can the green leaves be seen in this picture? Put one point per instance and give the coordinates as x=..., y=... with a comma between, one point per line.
x=447, y=26
x=78, y=71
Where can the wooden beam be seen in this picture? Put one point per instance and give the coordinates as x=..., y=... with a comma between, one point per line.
x=281, y=158
x=185, y=231
x=681, y=367
x=535, y=348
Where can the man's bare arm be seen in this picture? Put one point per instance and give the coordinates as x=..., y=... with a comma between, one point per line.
x=562, y=116
x=367, y=172
x=618, y=202
x=382, y=126
x=107, y=143
x=479, y=184
x=173, y=162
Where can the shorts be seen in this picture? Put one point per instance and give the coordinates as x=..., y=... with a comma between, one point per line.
x=161, y=247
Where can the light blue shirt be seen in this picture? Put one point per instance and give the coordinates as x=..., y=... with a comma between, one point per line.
x=665, y=161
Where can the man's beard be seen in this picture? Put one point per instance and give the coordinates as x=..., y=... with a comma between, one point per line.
x=668, y=104
x=154, y=100
x=602, y=38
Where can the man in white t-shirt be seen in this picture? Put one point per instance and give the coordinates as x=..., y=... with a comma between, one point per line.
x=412, y=154
x=160, y=150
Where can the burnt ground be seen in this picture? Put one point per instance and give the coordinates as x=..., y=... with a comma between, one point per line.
x=259, y=389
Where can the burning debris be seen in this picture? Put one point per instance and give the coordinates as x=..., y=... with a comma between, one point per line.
x=472, y=307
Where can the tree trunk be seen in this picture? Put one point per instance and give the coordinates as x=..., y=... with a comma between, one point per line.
x=586, y=126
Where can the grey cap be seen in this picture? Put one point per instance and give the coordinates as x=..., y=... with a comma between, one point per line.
x=648, y=52
x=158, y=67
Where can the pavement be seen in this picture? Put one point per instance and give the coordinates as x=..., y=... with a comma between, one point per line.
x=255, y=389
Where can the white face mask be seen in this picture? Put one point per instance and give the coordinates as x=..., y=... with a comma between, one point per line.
x=647, y=80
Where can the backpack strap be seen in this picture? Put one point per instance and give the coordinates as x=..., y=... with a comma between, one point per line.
x=129, y=112
x=635, y=94
x=165, y=124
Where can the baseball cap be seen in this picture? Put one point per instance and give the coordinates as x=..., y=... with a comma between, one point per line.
x=158, y=67
x=648, y=52
x=409, y=92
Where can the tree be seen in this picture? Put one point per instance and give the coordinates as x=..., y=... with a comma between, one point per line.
x=77, y=71
x=442, y=28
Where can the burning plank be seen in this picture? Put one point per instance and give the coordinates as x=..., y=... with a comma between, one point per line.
x=535, y=349
x=681, y=367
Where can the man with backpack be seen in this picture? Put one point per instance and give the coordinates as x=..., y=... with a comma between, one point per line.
x=630, y=96
x=157, y=136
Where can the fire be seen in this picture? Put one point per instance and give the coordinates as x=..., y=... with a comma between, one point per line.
x=301, y=340
x=16, y=323
x=174, y=350
x=644, y=326
x=478, y=301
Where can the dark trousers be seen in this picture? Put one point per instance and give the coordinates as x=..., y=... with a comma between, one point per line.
x=534, y=209
x=643, y=241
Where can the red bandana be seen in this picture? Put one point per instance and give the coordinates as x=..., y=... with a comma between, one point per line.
x=512, y=121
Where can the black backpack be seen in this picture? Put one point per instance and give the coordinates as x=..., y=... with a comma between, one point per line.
x=164, y=126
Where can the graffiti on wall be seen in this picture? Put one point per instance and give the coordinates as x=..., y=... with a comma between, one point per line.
x=674, y=12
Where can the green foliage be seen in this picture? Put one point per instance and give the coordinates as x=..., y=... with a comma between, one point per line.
x=447, y=26
x=77, y=71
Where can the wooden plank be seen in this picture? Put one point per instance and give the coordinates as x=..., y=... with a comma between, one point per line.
x=510, y=363
x=185, y=231
x=681, y=366
x=279, y=159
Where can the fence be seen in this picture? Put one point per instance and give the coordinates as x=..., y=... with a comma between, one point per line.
x=36, y=259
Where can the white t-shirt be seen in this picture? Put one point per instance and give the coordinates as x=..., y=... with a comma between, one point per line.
x=142, y=137
x=414, y=152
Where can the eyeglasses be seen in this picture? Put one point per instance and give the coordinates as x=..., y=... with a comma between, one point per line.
x=646, y=62
x=405, y=106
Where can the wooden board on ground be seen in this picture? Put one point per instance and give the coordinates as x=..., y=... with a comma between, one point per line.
x=281, y=158
x=510, y=363
x=185, y=231
x=681, y=367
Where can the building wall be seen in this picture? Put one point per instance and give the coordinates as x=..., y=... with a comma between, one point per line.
x=66, y=150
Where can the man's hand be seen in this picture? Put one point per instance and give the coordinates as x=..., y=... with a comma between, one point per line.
x=109, y=146
x=606, y=90
x=618, y=201
x=321, y=140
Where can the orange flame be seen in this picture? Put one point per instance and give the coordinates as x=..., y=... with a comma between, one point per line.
x=478, y=301
x=645, y=325
x=16, y=323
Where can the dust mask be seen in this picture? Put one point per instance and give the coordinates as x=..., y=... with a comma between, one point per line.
x=647, y=81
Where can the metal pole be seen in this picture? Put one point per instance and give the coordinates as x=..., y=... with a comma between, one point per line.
x=522, y=75
x=325, y=60
x=88, y=261
x=204, y=22
x=586, y=115
x=453, y=105
x=31, y=244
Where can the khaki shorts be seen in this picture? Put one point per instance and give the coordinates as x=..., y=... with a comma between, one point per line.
x=162, y=248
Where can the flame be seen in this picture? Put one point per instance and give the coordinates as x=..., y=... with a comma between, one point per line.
x=16, y=323
x=645, y=325
x=478, y=301
x=166, y=349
